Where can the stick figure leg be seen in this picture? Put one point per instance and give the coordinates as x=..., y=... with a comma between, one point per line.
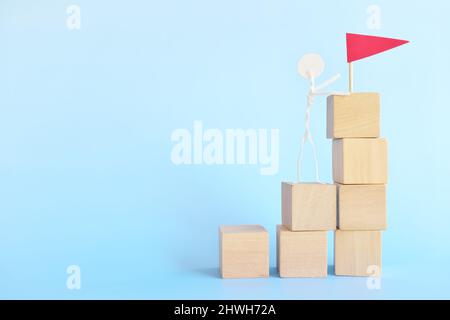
x=300, y=157
x=316, y=160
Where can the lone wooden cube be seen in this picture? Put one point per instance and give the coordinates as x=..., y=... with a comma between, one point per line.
x=357, y=253
x=361, y=207
x=360, y=161
x=244, y=251
x=309, y=206
x=301, y=254
x=354, y=116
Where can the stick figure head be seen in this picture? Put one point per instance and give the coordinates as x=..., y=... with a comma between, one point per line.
x=310, y=66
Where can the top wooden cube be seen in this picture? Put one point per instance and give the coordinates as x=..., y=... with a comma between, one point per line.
x=354, y=116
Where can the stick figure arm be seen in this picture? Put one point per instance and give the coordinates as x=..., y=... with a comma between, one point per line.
x=328, y=82
x=335, y=93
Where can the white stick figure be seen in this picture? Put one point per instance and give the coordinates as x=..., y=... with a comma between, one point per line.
x=311, y=66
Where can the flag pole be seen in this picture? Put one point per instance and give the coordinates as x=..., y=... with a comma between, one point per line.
x=350, y=77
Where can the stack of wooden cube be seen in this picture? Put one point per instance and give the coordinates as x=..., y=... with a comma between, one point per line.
x=360, y=174
x=355, y=205
x=308, y=213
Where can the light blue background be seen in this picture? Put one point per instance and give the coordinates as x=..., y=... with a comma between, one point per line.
x=85, y=124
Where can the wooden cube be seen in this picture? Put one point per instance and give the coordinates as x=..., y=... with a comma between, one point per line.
x=354, y=116
x=361, y=207
x=244, y=252
x=308, y=206
x=357, y=253
x=360, y=161
x=301, y=254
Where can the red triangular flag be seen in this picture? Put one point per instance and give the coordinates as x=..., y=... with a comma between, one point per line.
x=360, y=46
